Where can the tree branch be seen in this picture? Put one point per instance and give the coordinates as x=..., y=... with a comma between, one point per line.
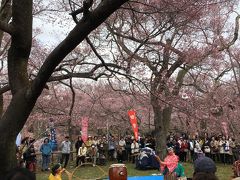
x=235, y=36
x=148, y=42
x=6, y=27
x=75, y=37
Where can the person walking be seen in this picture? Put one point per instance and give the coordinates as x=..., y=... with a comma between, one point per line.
x=46, y=150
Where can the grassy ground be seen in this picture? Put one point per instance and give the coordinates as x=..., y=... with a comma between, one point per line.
x=224, y=172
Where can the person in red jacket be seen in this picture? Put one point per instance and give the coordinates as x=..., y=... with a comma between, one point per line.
x=184, y=151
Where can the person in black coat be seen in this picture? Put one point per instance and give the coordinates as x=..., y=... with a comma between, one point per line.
x=30, y=158
x=78, y=143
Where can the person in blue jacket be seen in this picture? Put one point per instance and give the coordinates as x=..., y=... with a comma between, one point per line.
x=46, y=150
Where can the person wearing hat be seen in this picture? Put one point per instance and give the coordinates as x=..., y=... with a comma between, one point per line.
x=89, y=142
x=204, y=168
x=56, y=173
x=66, y=149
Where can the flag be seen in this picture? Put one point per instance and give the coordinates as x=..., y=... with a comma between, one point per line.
x=84, y=129
x=225, y=128
x=133, y=120
x=53, y=139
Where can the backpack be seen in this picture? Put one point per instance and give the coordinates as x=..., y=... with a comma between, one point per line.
x=226, y=147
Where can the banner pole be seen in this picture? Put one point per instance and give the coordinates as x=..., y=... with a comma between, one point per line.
x=107, y=131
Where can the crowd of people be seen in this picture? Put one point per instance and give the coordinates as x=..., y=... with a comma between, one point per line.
x=219, y=148
x=99, y=149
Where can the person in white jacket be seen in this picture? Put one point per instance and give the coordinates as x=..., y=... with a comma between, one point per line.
x=134, y=150
x=82, y=152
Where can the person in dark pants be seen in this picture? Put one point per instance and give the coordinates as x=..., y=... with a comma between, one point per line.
x=128, y=148
x=78, y=144
x=111, y=148
x=46, y=150
x=66, y=149
x=30, y=158
x=134, y=150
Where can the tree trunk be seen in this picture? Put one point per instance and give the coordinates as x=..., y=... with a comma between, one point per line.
x=11, y=124
x=24, y=93
x=7, y=153
x=162, y=118
x=5, y=16
x=1, y=105
x=70, y=132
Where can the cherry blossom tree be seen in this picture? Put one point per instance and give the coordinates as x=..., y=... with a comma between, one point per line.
x=26, y=92
x=165, y=44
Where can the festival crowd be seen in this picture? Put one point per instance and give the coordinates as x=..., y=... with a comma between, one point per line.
x=99, y=149
x=219, y=148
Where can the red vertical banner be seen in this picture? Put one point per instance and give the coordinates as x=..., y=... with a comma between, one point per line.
x=225, y=128
x=84, y=129
x=133, y=120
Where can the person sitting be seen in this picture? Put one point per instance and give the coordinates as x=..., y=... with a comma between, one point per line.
x=170, y=165
x=82, y=152
x=56, y=173
x=204, y=169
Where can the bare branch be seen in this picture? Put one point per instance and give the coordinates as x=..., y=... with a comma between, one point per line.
x=76, y=36
x=148, y=42
x=6, y=27
x=235, y=37
x=96, y=53
x=4, y=89
x=236, y=31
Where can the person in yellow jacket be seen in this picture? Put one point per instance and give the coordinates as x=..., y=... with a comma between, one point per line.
x=56, y=173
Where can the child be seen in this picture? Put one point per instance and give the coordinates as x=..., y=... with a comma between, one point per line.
x=56, y=173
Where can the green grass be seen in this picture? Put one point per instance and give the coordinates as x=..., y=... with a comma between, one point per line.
x=224, y=172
